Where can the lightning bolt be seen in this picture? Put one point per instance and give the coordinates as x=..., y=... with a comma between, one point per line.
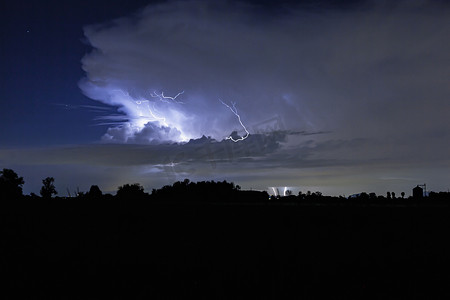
x=274, y=191
x=139, y=111
x=152, y=111
x=166, y=99
x=234, y=111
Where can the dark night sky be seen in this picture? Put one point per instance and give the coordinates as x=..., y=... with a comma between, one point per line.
x=42, y=44
x=338, y=96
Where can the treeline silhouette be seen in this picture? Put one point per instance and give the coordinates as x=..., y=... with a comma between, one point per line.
x=205, y=191
x=207, y=240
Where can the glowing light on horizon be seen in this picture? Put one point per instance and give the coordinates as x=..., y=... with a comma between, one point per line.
x=234, y=111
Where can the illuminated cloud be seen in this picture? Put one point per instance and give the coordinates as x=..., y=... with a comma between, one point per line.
x=148, y=134
x=202, y=50
x=370, y=70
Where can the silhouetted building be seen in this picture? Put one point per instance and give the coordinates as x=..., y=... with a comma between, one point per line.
x=418, y=192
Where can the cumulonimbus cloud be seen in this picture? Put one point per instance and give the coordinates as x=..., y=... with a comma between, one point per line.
x=374, y=64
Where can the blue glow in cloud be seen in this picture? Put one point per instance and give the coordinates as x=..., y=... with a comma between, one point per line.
x=366, y=71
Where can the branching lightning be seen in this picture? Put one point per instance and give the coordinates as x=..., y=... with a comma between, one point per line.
x=152, y=111
x=166, y=99
x=169, y=120
x=140, y=118
x=234, y=111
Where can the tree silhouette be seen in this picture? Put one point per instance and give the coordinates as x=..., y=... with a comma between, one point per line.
x=134, y=190
x=198, y=191
x=363, y=196
x=95, y=192
x=403, y=194
x=10, y=184
x=48, y=188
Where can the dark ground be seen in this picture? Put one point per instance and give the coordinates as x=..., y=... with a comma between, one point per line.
x=225, y=251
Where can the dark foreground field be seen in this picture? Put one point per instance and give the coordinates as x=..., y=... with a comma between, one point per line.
x=214, y=251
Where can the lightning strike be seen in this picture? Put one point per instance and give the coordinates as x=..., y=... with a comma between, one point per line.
x=166, y=99
x=162, y=120
x=141, y=111
x=274, y=191
x=234, y=111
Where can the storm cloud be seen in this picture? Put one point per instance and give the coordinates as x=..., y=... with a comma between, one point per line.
x=371, y=70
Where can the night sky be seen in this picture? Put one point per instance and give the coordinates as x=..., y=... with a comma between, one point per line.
x=336, y=96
